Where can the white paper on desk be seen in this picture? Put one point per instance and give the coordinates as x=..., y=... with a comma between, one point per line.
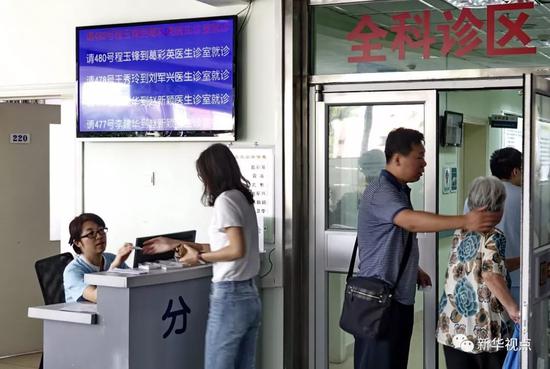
x=169, y=265
x=81, y=307
x=129, y=271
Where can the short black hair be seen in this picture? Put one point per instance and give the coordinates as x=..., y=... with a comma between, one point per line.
x=401, y=141
x=75, y=228
x=504, y=161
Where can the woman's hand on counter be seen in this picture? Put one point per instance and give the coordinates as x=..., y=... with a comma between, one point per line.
x=122, y=255
x=159, y=244
x=191, y=256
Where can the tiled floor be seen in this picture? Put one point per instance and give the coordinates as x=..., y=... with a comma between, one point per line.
x=30, y=361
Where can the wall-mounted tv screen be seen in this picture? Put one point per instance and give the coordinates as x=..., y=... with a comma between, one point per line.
x=451, y=128
x=171, y=79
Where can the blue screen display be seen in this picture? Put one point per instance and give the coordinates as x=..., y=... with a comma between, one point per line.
x=173, y=78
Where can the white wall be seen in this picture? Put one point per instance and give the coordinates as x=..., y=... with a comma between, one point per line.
x=38, y=43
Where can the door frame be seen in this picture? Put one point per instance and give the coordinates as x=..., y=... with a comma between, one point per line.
x=534, y=83
x=328, y=259
x=354, y=93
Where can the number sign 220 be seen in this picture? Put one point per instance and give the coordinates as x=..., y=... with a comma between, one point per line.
x=20, y=138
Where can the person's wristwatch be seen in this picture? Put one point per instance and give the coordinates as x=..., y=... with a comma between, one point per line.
x=200, y=259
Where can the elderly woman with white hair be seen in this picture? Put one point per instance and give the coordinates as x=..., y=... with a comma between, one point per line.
x=476, y=309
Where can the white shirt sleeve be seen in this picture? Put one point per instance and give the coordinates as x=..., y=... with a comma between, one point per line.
x=227, y=213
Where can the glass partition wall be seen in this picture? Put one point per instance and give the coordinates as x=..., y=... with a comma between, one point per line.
x=347, y=42
x=385, y=36
x=536, y=299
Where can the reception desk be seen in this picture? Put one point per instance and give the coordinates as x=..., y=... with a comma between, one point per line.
x=147, y=321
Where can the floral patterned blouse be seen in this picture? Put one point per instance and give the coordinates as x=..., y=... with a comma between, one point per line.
x=467, y=306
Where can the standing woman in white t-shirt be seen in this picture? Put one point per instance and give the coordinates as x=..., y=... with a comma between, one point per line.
x=235, y=307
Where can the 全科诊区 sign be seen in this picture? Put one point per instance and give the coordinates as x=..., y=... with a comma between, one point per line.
x=461, y=34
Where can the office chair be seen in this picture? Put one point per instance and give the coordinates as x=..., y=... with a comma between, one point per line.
x=50, y=277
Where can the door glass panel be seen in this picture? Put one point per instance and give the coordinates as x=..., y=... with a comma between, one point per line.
x=356, y=139
x=539, y=336
x=460, y=165
x=340, y=343
x=541, y=187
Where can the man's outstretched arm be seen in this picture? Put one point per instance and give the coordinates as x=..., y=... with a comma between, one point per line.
x=422, y=221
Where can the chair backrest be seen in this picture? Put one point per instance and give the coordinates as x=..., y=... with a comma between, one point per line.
x=50, y=276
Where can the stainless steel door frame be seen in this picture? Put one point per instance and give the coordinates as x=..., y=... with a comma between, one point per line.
x=533, y=85
x=526, y=214
x=324, y=262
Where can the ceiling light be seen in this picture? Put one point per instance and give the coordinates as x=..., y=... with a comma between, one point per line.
x=475, y=3
x=223, y=2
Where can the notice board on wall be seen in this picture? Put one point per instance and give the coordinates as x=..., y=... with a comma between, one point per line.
x=257, y=166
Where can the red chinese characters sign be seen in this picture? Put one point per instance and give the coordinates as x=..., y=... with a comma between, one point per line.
x=460, y=35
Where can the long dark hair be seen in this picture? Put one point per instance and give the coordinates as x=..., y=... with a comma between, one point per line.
x=219, y=171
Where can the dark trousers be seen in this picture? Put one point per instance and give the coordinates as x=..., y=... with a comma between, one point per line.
x=392, y=350
x=457, y=359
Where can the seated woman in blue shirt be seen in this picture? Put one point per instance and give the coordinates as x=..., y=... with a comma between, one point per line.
x=88, y=239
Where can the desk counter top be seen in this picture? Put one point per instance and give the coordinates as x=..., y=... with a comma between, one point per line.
x=72, y=312
x=153, y=277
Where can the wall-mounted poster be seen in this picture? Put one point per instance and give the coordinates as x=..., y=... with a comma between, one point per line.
x=446, y=180
x=257, y=165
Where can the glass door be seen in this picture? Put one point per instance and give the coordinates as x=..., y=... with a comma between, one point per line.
x=348, y=152
x=535, y=264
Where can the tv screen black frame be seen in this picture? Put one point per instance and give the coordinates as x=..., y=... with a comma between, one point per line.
x=174, y=135
x=445, y=125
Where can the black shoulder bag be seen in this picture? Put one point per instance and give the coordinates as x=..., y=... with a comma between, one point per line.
x=367, y=300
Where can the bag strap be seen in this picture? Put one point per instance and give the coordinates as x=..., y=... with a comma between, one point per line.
x=402, y=266
x=352, y=261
